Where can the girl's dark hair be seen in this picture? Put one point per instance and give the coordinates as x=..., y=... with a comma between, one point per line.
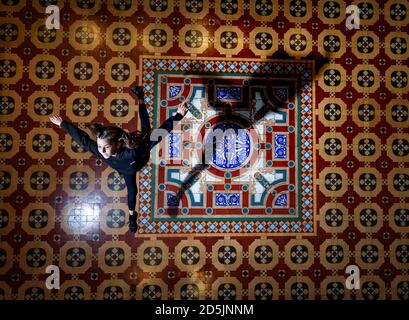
x=115, y=135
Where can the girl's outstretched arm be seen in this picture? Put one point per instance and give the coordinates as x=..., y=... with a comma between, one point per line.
x=144, y=117
x=143, y=113
x=168, y=124
x=80, y=136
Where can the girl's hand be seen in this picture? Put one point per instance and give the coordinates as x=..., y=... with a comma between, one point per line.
x=56, y=120
x=182, y=109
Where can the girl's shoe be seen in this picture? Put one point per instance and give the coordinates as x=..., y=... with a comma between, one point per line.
x=133, y=224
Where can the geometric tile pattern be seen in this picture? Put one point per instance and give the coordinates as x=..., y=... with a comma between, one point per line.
x=260, y=190
x=59, y=205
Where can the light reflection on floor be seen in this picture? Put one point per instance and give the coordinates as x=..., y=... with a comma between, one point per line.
x=82, y=218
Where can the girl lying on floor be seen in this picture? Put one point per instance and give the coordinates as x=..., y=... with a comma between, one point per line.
x=125, y=152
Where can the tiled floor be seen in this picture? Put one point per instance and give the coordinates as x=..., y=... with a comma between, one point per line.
x=317, y=181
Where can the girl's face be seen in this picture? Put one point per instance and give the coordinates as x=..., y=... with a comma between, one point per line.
x=105, y=148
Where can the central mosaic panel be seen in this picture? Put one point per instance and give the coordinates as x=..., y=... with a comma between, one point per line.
x=241, y=161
